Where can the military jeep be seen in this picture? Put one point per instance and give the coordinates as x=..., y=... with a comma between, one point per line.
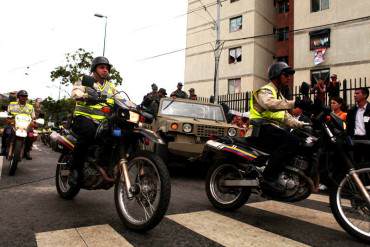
x=185, y=125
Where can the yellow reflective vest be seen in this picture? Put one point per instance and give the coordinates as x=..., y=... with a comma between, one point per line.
x=254, y=114
x=14, y=108
x=95, y=111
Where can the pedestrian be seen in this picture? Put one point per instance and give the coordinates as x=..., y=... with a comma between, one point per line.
x=337, y=105
x=297, y=113
x=358, y=124
x=333, y=86
x=178, y=93
x=192, y=94
x=319, y=90
x=150, y=97
x=155, y=103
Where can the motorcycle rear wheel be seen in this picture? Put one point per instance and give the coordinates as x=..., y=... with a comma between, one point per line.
x=65, y=190
x=17, y=152
x=349, y=209
x=225, y=198
x=149, y=174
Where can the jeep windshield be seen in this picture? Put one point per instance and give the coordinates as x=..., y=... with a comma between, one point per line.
x=192, y=110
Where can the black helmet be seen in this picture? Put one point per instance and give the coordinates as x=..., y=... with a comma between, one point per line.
x=276, y=69
x=22, y=93
x=99, y=60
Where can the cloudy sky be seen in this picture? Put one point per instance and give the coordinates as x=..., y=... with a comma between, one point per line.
x=36, y=35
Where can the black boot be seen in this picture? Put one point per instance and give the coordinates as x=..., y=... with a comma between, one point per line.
x=27, y=156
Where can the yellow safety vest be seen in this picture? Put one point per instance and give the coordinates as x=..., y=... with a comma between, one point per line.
x=254, y=114
x=95, y=111
x=15, y=108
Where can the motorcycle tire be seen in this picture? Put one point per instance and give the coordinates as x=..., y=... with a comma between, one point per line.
x=239, y=201
x=17, y=152
x=339, y=215
x=164, y=194
x=65, y=190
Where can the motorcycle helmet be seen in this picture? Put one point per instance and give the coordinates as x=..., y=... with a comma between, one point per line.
x=276, y=69
x=99, y=60
x=22, y=93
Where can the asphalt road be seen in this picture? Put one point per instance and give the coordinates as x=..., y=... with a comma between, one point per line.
x=32, y=214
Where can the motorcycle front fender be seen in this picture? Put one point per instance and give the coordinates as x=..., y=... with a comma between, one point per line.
x=151, y=135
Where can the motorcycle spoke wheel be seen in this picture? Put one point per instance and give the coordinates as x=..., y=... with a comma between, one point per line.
x=353, y=209
x=225, y=195
x=145, y=177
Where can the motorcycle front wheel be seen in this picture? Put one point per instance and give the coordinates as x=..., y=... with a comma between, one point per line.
x=221, y=197
x=16, y=156
x=349, y=208
x=150, y=178
x=65, y=190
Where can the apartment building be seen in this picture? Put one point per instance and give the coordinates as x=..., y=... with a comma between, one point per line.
x=244, y=59
x=317, y=37
x=338, y=43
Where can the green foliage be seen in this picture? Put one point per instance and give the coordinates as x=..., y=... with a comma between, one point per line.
x=78, y=64
x=57, y=110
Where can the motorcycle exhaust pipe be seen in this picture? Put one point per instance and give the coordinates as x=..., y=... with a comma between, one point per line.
x=240, y=183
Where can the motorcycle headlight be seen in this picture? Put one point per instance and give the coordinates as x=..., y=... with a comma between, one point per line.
x=187, y=128
x=134, y=117
x=231, y=132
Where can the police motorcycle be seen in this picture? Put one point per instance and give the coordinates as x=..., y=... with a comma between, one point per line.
x=236, y=168
x=141, y=181
x=21, y=128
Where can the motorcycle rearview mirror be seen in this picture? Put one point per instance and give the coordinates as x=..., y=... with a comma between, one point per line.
x=88, y=81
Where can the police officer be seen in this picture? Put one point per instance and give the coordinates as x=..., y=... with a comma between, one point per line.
x=88, y=114
x=21, y=107
x=179, y=93
x=267, y=103
x=150, y=97
x=192, y=94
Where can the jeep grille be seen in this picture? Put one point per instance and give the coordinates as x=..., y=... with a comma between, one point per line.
x=206, y=131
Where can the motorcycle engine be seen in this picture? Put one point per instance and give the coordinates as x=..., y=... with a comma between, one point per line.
x=300, y=163
x=92, y=177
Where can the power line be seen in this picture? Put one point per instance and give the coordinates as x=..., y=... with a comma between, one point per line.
x=258, y=36
x=206, y=9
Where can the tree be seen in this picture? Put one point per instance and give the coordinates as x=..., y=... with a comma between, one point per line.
x=57, y=110
x=78, y=64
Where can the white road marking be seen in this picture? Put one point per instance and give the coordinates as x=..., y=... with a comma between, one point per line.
x=230, y=232
x=92, y=236
x=304, y=214
x=36, y=147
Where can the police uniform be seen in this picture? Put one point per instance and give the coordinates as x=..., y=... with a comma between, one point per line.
x=87, y=117
x=267, y=103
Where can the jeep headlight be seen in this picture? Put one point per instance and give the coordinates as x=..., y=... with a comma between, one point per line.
x=187, y=128
x=231, y=132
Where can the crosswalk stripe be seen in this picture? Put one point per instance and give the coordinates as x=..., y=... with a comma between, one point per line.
x=229, y=232
x=92, y=236
x=304, y=214
x=1, y=164
x=319, y=198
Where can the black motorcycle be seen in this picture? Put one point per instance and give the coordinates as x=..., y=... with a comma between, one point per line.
x=141, y=180
x=237, y=166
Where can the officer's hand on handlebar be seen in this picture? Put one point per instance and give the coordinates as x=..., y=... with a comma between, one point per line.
x=298, y=102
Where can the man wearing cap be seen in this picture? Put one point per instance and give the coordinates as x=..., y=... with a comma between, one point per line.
x=179, y=93
x=155, y=103
x=333, y=87
x=192, y=94
x=268, y=106
x=150, y=97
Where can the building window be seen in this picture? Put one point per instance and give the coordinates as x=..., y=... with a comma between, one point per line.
x=318, y=5
x=322, y=74
x=233, y=1
x=234, y=86
x=236, y=23
x=281, y=34
x=282, y=6
x=282, y=59
x=235, y=55
x=319, y=39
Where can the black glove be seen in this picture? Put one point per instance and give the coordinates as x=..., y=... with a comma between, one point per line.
x=92, y=96
x=298, y=102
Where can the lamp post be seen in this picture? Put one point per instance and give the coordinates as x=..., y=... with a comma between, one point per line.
x=105, y=28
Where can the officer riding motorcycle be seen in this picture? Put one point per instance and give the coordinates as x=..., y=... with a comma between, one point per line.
x=20, y=107
x=88, y=114
x=268, y=112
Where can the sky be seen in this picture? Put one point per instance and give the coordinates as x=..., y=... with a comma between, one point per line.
x=36, y=35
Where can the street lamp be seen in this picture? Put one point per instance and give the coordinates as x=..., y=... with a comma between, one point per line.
x=105, y=29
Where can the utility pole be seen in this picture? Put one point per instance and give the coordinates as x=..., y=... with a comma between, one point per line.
x=217, y=51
